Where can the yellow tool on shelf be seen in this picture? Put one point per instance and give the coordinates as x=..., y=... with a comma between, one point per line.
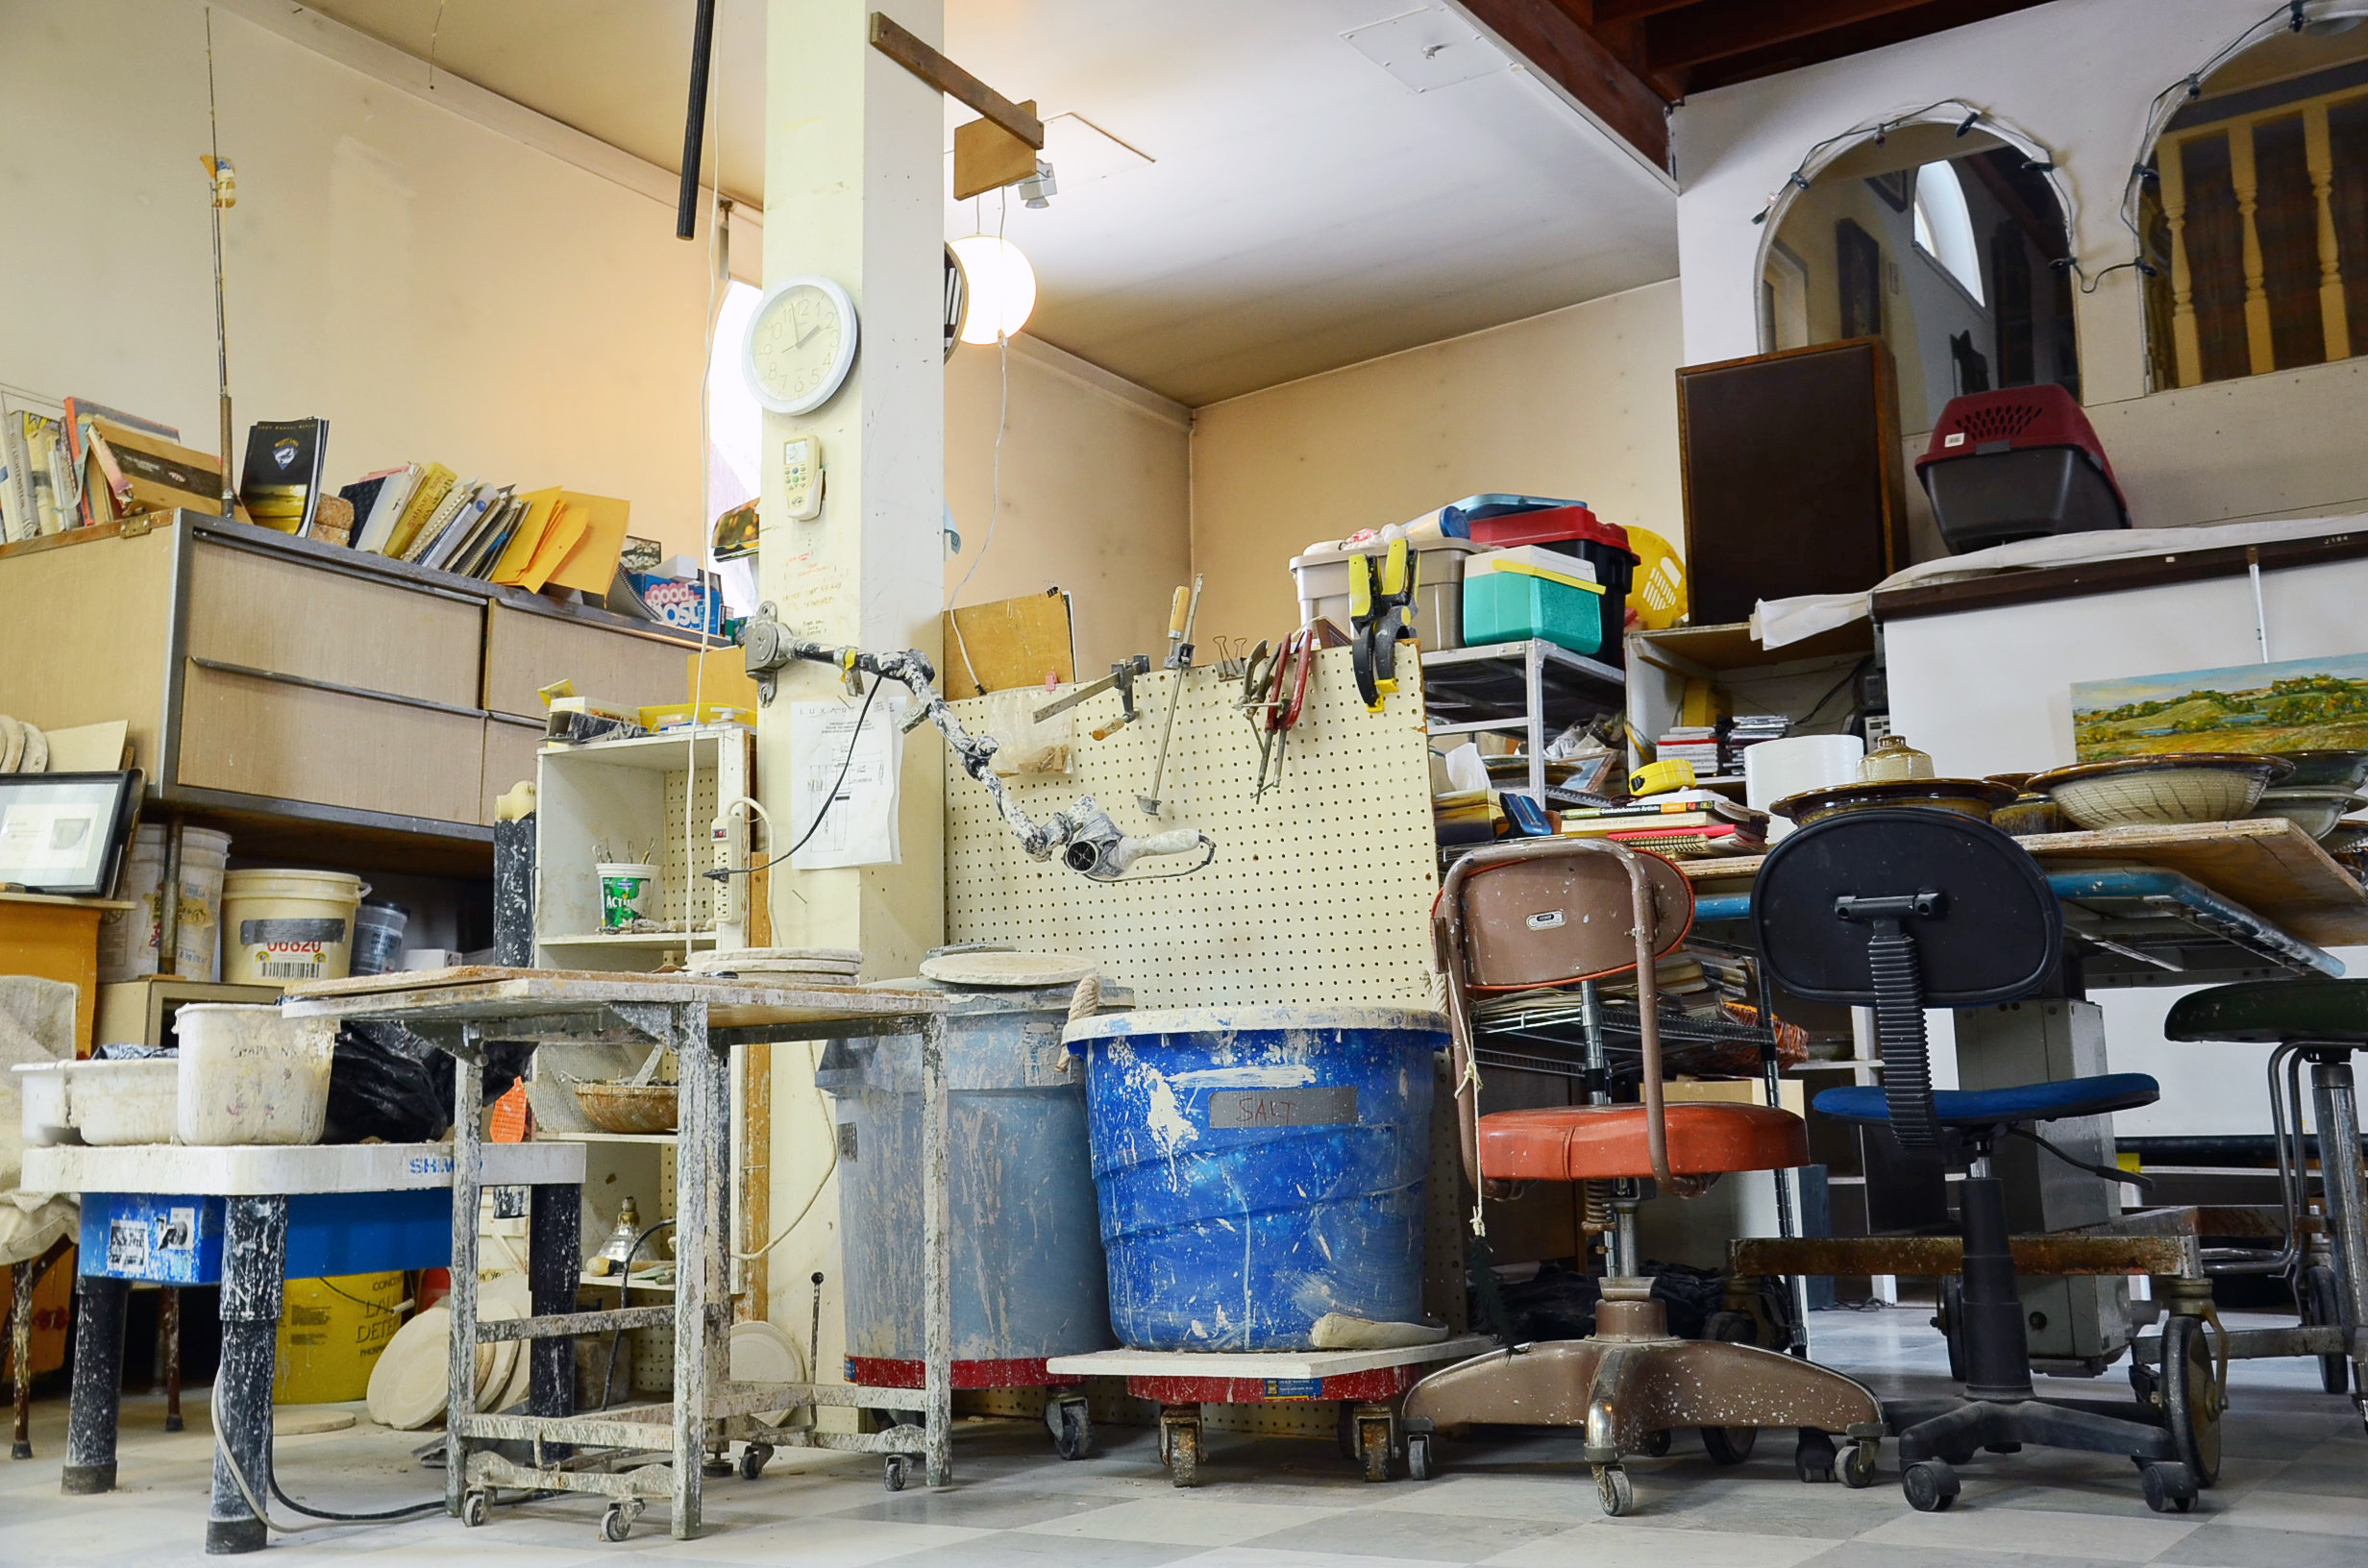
x=1660, y=777
x=1381, y=597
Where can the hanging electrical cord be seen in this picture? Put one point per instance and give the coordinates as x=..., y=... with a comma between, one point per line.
x=625, y=1283
x=723, y=873
x=821, y=1183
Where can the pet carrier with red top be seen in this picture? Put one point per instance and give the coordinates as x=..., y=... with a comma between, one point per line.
x=2021, y=463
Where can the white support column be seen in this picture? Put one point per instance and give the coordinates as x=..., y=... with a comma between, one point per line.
x=854, y=181
x=854, y=190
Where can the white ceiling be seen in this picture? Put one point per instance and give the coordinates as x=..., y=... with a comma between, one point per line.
x=1297, y=207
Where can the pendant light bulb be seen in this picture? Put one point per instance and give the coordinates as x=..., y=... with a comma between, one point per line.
x=1000, y=284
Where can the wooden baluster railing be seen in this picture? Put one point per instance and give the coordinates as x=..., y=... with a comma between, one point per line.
x=2258, y=347
x=2187, y=347
x=2319, y=153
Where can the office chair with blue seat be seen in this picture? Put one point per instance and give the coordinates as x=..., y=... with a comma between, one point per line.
x=1904, y=909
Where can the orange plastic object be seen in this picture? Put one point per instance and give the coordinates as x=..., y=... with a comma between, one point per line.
x=1594, y=1142
x=57, y=938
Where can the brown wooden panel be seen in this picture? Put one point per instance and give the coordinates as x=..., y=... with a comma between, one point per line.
x=509, y=761
x=526, y=652
x=1791, y=468
x=83, y=629
x=267, y=738
x=285, y=616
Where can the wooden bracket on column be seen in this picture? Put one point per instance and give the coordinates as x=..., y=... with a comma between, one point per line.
x=990, y=153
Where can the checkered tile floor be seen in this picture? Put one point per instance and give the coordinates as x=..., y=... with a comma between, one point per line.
x=2294, y=1494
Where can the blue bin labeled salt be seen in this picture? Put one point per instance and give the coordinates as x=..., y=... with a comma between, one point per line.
x=1257, y=1169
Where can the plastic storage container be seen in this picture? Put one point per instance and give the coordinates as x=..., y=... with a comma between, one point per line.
x=1543, y=526
x=1511, y=607
x=120, y=1102
x=1028, y=1275
x=378, y=937
x=1258, y=1168
x=280, y=927
x=251, y=1075
x=1322, y=577
x=331, y=1333
x=129, y=938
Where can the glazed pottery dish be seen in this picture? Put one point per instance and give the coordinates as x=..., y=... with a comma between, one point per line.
x=2168, y=790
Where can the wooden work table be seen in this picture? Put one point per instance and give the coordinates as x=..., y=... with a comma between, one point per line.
x=2266, y=864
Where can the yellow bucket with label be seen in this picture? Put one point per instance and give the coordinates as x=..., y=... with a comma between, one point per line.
x=332, y=1334
x=282, y=926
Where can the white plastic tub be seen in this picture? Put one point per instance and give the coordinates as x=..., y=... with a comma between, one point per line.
x=129, y=938
x=40, y=1087
x=280, y=927
x=1322, y=579
x=122, y=1102
x=251, y=1075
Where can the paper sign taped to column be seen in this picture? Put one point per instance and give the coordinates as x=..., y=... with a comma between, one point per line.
x=859, y=828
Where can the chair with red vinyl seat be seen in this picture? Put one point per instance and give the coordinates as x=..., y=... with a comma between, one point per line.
x=1562, y=912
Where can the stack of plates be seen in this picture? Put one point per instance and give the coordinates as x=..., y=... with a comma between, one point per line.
x=1003, y=967
x=810, y=965
x=409, y=1388
x=23, y=748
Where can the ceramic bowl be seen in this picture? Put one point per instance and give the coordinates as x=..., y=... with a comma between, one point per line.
x=2029, y=814
x=628, y=1108
x=1975, y=797
x=2315, y=811
x=2345, y=771
x=2169, y=790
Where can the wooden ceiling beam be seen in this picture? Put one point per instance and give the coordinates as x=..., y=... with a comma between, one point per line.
x=1898, y=26
x=1721, y=29
x=1631, y=11
x=1554, y=43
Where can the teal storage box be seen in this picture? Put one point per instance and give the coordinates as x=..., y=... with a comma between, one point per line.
x=1511, y=607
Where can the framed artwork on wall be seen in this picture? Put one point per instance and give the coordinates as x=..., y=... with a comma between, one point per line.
x=1858, y=271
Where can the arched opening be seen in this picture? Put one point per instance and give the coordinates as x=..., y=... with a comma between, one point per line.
x=2253, y=211
x=1944, y=244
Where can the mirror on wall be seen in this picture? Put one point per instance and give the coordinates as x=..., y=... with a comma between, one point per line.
x=2255, y=213
x=1943, y=246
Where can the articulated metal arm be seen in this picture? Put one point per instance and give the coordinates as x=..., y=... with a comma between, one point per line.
x=1084, y=835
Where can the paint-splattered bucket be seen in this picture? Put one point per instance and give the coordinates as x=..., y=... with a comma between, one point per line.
x=1258, y=1168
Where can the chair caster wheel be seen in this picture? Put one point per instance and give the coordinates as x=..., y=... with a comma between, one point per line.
x=1374, y=1444
x=1931, y=1485
x=618, y=1522
x=2170, y=1487
x=1857, y=1466
x=473, y=1508
x=1419, y=1455
x=1612, y=1492
x=1071, y=1427
x=1812, y=1460
x=1656, y=1444
x=892, y=1473
x=752, y=1461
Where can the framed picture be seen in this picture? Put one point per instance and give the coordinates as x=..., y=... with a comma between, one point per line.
x=2294, y=705
x=1896, y=188
x=64, y=833
x=1858, y=271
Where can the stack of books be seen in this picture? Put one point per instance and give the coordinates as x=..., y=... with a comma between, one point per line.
x=1682, y=823
x=426, y=514
x=1697, y=744
x=1745, y=731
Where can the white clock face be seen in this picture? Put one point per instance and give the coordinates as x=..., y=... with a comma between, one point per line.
x=801, y=345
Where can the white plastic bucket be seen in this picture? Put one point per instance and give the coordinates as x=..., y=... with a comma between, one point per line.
x=629, y=891
x=378, y=937
x=250, y=1074
x=125, y=1102
x=128, y=939
x=282, y=926
x=1773, y=770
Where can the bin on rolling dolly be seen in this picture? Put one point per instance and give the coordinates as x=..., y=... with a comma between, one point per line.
x=1029, y=1281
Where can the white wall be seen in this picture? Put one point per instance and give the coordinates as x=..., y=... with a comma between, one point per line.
x=1580, y=402
x=1093, y=493
x=2077, y=78
x=436, y=289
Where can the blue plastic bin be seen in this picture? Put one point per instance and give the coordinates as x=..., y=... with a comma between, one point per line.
x=1259, y=1167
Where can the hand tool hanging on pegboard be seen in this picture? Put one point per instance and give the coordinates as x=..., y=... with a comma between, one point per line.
x=1381, y=597
x=1180, y=616
x=1121, y=680
x=1274, y=691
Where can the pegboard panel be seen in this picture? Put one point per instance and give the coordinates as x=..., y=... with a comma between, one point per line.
x=675, y=873
x=1322, y=888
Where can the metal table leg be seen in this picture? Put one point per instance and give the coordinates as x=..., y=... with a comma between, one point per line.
x=168, y=1351
x=98, y=1386
x=937, y=1244
x=468, y=1164
x=702, y=1222
x=20, y=1356
x=554, y=1238
x=2347, y=1196
x=254, y=1263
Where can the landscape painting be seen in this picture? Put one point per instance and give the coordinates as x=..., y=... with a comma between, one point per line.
x=2298, y=705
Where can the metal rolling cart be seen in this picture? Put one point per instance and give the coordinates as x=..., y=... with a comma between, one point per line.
x=1368, y=1383
x=464, y=1011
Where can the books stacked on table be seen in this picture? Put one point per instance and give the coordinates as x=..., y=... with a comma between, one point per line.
x=1681, y=823
x=1745, y=731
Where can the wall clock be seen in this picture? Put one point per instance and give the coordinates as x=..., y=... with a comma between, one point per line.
x=801, y=345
